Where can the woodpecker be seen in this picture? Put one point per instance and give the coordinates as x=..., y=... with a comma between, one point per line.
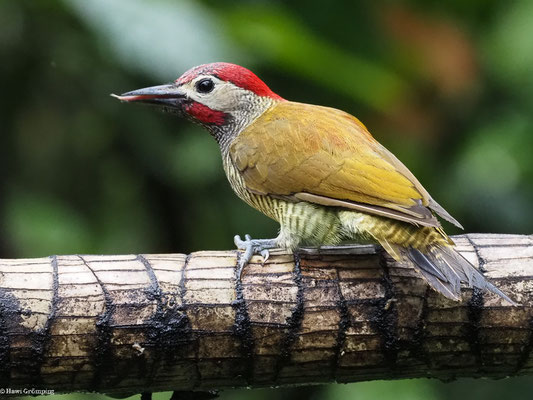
x=317, y=171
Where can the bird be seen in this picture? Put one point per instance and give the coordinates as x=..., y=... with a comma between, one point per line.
x=318, y=172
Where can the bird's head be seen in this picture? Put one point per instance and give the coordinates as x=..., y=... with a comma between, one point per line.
x=223, y=97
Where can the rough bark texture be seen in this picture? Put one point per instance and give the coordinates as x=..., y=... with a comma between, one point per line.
x=137, y=323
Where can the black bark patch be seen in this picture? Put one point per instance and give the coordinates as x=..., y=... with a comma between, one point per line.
x=183, y=278
x=103, y=356
x=154, y=325
x=168, y=330
x=154, y=291
x=188, y=333
x=10, y=322
x=526, y=351
x=294, y=321
x=417, y=345
x=344, y=324
x=40, y=339
x=481, y=260
x=242, y=328
x=475, y=309
x=385, y=318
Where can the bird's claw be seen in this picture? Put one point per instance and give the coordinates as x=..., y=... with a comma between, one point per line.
x=265, y=254
x=251, y=247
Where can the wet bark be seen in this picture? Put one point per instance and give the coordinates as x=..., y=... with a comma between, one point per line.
x=138, y=323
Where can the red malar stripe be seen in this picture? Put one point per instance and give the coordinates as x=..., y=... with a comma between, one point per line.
x=205, y=114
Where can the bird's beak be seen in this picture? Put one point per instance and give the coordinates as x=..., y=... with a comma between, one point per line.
x=164, y=95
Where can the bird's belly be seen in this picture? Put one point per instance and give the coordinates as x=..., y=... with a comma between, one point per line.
x=301, y=223
x=305, y=224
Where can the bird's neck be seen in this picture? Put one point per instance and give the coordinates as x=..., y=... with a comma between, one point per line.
x=238, y=120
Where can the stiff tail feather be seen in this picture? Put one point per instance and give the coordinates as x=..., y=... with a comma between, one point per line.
x=444, y=269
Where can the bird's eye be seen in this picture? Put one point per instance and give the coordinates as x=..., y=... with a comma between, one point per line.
x=205, y=85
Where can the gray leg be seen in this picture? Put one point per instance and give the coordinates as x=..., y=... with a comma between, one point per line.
x=251, y=247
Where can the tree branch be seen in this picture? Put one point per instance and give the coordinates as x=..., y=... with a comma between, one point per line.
x=137, y=323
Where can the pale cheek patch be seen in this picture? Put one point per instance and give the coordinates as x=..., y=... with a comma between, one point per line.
x=226, y=97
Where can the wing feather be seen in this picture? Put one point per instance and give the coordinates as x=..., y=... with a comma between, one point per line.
x=328, y=157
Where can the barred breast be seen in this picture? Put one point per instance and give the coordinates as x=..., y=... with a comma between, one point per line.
x=301, y=223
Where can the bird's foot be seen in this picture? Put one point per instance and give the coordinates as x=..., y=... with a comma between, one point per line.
x=251, y=247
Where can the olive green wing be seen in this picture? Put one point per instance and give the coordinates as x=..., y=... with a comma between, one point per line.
x=325, y=156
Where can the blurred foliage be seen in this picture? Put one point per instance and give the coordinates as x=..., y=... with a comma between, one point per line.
x=447, y=86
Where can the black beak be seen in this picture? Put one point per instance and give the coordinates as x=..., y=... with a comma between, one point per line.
x=164, y=95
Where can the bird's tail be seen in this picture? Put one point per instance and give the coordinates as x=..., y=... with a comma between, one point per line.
x=427, y=249
x=443, y=268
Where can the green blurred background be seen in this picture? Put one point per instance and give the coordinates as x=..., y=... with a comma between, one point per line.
x=447, y=86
